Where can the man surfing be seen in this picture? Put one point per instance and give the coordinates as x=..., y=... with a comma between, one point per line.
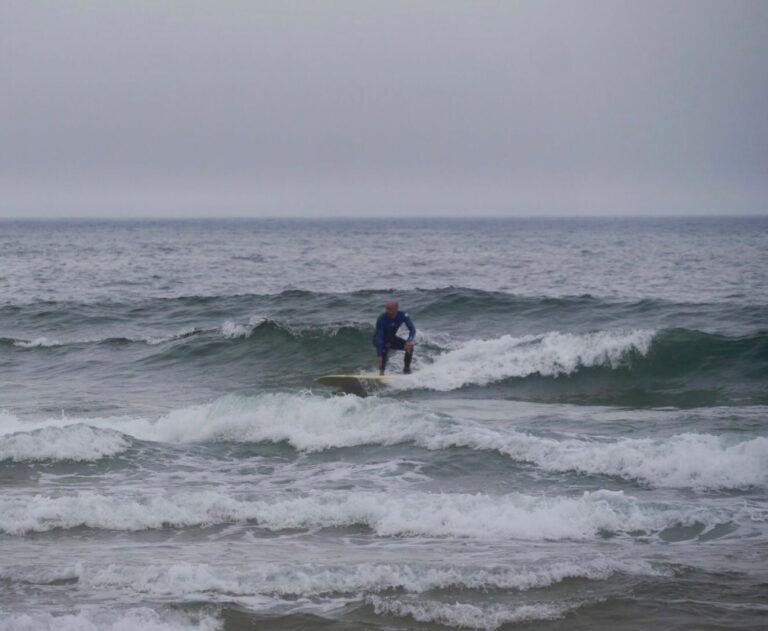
x=386, y=337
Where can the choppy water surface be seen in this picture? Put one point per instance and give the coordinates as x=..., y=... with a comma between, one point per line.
x=584, y=444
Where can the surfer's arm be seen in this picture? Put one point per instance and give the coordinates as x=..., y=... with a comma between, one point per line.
x=411, y=327
x=379, y=339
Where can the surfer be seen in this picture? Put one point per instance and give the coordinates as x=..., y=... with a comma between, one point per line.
x=386, y=337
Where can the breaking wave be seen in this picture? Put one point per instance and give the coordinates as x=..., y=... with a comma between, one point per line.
x=78, y=442
x=312, y=423
x=480, y=362
x=464, y=515
x=317, y=579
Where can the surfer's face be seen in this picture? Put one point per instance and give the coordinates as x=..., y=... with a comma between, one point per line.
x=391, y=309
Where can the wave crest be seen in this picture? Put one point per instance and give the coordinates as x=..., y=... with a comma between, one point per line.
x=481, y=362
x=78, y=442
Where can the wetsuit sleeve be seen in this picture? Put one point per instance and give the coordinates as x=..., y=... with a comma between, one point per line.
x=411, y=328
x=379, y=338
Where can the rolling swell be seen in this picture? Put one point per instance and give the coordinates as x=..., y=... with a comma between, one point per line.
x=578, y=349
x=435, y=304
x=644, y=368
x=672, y=351
x=270, y=345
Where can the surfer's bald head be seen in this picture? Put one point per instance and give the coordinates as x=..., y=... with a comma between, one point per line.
x=391, y=307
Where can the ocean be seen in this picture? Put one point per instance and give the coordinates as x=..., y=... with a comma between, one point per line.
x=583, y=443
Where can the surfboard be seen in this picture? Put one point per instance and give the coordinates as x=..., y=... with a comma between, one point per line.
x=353, y=384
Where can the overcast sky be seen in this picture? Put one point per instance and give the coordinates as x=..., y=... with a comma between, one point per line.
x=183, y=108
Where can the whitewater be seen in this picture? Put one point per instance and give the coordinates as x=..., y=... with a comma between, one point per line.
x=583, y=443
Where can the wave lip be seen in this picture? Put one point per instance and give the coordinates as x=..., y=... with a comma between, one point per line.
x=156, y=340
x=78, y=442
x=481, y=362
x=459, y=515
x=231, y=329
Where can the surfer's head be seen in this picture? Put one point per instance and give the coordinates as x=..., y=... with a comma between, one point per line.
x=391, y=308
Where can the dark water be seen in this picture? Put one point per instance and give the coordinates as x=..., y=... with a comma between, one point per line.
x=583, y=445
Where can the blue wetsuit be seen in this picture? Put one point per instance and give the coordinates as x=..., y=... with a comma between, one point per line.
x=386, y=337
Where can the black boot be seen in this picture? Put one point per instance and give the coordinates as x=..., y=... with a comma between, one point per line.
x=407, y=363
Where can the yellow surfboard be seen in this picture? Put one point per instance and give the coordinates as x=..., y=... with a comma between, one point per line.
x=353, y=384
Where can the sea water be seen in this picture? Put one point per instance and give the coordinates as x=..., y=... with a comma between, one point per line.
x=583, y=443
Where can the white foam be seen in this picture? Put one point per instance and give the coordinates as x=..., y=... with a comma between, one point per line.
x=77, y=442
x=231, y=329
x=480, y=362
x=308, y=579
x=107, y=619
x=37, y=342
x=514, y=516
x=465, y=615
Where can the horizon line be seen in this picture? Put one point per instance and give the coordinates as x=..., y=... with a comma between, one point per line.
x=382, y=217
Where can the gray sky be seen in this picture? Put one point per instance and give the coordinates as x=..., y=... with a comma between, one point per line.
x=183, y=108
